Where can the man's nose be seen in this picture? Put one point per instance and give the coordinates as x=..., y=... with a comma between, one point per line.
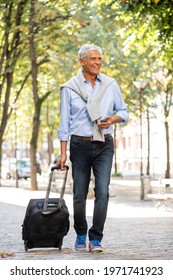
x=98, y=61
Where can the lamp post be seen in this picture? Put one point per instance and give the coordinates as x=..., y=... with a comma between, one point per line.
x=140, y=86
x=15, y=106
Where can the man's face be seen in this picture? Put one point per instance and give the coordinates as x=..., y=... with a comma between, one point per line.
x=91, y=63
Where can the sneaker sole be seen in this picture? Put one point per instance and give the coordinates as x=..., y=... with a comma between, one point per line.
x=96, y=250
x=80, y=249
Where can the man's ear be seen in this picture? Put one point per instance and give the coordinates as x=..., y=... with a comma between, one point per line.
x=81, y=62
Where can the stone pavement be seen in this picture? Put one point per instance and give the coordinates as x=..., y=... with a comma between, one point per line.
x=134, y=229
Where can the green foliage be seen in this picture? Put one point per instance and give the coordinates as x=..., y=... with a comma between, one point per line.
x=147, y=23
x=117, y=174
x=136, y=37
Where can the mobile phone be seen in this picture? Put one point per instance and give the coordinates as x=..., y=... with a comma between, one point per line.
x=104, y=120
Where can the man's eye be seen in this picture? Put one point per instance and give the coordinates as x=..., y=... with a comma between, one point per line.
x=94, y=59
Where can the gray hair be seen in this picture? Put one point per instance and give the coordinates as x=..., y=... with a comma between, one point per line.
x=88, y=47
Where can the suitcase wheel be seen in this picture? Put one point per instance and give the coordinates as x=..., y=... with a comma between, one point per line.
x=59, y=244
x=28, y=245
x=26, y=248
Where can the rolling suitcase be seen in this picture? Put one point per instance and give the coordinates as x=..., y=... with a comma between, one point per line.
x=46, y=221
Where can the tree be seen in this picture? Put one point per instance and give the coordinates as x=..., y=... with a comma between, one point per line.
x=36, y=33
x=149, y=17
x=148, y=26
x=51, y=33
x=10, y=53
x=45, y=39
x=163, y=79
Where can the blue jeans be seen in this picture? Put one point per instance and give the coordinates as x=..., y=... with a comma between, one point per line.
x=85, y=155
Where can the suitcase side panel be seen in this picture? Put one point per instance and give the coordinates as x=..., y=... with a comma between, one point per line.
x=45, y=231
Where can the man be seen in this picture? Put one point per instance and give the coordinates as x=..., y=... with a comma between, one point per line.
x=91, y=103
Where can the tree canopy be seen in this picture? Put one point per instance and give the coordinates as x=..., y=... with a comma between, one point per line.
x=39, y=41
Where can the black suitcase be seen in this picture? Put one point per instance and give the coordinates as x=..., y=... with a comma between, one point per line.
x=46, y=221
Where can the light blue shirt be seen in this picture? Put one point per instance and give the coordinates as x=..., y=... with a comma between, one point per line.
x=75, y=119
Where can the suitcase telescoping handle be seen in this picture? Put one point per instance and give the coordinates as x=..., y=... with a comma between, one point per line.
x=53, y=168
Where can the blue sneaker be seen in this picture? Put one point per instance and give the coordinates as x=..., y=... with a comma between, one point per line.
x=80, y=243
x=95, y=246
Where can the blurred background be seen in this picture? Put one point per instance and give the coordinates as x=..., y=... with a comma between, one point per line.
x=39, y=41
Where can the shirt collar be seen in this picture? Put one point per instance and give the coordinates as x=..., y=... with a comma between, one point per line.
x=98, y=78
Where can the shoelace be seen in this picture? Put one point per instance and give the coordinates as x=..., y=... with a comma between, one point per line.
x=96, y=243
x=81, y=239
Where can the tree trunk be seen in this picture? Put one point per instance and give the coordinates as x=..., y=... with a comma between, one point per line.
x=167, y=172
x=33, y=150
x=50, y=147
x=33, y=146
x=49, y=138
x=36, y=118
x=9, y=79
x=8, y=58
x=148, y=148
x=37, y=101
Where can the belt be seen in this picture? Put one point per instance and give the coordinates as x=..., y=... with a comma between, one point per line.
x=83, y=138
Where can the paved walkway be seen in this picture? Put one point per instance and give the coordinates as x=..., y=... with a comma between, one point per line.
x=134, y=230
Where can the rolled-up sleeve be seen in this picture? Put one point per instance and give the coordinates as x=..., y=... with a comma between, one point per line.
x=120, y=106
x=63, y=130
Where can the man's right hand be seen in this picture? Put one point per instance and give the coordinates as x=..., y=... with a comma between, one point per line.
x=61, y=162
